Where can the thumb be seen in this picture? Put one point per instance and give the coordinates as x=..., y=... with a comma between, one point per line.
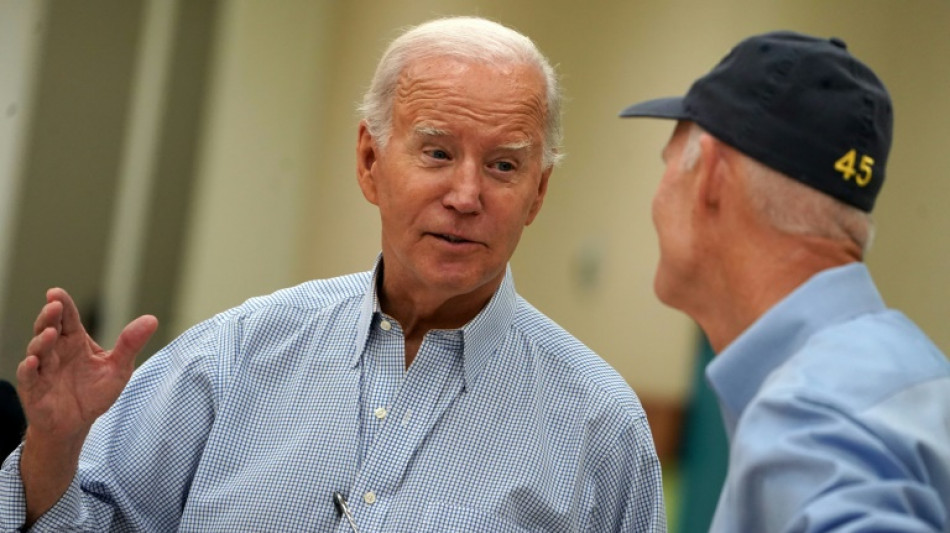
x=133, y=337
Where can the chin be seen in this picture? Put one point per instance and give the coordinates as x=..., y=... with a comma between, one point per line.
x=460, y=280
x=662, y=290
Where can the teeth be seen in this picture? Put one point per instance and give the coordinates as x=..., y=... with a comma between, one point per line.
x=450, y=238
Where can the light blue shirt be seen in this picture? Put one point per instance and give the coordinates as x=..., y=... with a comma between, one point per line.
x=838, y=415
x=251, y=420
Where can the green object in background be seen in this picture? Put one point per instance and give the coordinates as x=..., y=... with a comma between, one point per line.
x=705, y=451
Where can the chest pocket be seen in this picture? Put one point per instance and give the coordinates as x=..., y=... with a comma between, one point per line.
x=444, y=517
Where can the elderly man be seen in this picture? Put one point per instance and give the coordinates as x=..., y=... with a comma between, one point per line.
x=425, y=395
x=837, y=408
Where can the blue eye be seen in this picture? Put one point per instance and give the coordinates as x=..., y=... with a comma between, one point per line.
x=439, y=154
x=504, y=166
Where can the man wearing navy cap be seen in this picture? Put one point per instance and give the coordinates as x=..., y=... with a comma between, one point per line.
x=837, y=408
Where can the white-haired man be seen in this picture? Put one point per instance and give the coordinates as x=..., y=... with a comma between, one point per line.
x=425, y=395
x=837, y=408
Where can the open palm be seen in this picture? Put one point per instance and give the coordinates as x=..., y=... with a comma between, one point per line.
x=67, y=380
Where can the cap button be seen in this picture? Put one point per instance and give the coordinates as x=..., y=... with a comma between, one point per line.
x=838, y=42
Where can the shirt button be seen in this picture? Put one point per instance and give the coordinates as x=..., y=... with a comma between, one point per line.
x=380, y=412
x=369, y=497
x=386, y=325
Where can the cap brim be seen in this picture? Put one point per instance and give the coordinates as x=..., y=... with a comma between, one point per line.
x=660, y=108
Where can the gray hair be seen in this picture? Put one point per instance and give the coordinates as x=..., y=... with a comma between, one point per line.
x=465, y=38
x=791, y=206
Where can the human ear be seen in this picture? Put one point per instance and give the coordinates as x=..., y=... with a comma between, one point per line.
x=712, y=168
x=366, y=157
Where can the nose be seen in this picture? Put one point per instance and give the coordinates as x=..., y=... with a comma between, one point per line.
x=465, y=189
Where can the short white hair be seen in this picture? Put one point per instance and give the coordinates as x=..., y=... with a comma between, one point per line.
x=465, y=38
x=789, y=205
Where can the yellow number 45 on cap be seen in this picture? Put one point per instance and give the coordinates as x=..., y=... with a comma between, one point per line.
x=845, y=165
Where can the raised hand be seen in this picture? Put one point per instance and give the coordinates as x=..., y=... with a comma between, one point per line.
x=67, y=380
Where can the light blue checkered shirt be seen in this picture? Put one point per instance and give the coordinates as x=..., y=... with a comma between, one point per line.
x=252, y=419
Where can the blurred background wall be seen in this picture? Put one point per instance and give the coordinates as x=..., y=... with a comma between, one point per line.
x=177, y=157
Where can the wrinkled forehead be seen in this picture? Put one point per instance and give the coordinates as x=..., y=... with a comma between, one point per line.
x=438, y=91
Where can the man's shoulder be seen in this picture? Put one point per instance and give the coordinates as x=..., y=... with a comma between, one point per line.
x=547, y=334
x=561, y=354
x=310, y=296
x=310, y=306
x=871, y=394
x=863, y=361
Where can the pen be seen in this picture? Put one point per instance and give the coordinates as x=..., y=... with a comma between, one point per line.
x=340, y=502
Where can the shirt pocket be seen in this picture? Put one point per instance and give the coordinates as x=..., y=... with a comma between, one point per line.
x=445, y=517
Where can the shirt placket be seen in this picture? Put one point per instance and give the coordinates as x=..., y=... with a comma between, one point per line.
x=383, y=372
x=429, y=387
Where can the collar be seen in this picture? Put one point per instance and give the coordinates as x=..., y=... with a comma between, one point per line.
x=829, y=297
x=368, y=307
x=481, y=336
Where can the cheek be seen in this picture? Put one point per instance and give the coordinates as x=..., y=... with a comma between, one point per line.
x=667, y=222
x=399, y=197
x=654, y=206
x=665, y=197
x=658, y=206
x=522, y=218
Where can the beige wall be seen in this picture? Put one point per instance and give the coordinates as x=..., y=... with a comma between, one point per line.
x=68, y=136
x=290, y=76
x=260, y=151
x=275, y=200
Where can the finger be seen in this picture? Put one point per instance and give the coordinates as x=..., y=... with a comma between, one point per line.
x=71, y=321
x=41, y=346
x=27, y=372
x=50, y=316
x=40, y=351
x=41, y=342
x=133, y=338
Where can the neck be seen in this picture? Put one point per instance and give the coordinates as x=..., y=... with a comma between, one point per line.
x=419, y=312
x=757, y=276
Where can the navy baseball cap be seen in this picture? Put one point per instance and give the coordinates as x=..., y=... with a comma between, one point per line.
x=801, y=105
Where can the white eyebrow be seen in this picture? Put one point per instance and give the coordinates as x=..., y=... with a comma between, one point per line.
x=425, y=130
x=517, y=146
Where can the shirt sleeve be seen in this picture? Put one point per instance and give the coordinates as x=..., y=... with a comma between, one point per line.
x=12, y=499
x=140, y=456
x=801, y=465
x=60, y=517
x=629, y=493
